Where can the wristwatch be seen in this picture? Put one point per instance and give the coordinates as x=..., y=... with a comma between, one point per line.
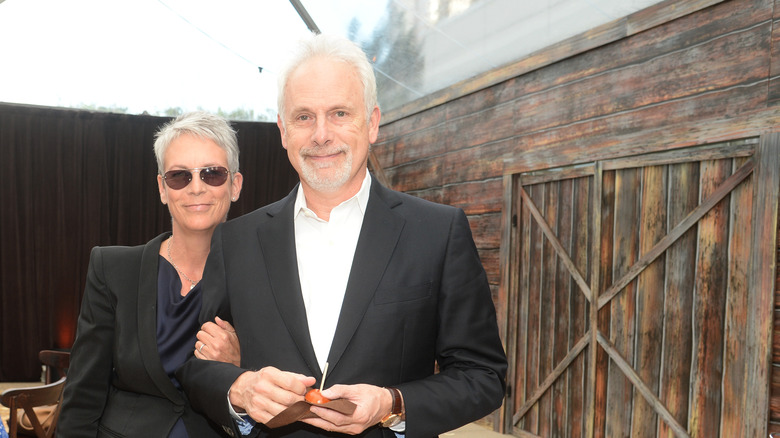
x=397, y=414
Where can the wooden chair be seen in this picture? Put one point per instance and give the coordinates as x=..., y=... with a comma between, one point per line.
x=56, y=362
x=25, y=399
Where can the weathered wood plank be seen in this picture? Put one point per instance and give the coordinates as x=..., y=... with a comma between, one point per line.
x=623, y=320
x=562, y=313
x=392, y=129
x=535, y=291
x=605, y=256
x=549, y=262
x=525, y=253
x=729, y=149
x=421, y=143
x=709, y=305
x=580, y=256
x=678, y=302
x=475, y=164
x=559, y=173
x=475, y=197
x=416, y=175
x=508, y=305
x=776, y=342
x=773, y=97
x=490, y=261
x=650, y=298
x=733, y=416
x=486, y=229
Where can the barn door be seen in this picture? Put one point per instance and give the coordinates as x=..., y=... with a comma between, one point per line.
x=641, y=294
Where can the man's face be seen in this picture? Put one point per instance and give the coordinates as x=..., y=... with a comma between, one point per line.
x=324, y=127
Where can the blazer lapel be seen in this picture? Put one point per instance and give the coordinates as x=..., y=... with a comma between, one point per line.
x=147, y=319
x=379, y=233
x=277, y=243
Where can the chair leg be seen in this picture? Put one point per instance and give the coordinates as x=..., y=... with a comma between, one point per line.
x=13, y=420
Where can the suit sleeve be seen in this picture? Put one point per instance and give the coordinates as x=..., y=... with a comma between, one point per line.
x=207, y=382
x=469, y=352
x=91, y=363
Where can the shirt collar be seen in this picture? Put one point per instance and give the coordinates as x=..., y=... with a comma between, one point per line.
x=361, y=196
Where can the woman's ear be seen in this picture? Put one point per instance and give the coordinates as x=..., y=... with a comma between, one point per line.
x=161, y=188
x=237, y=183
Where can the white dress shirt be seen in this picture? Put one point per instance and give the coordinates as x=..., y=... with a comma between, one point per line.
x=325, y=250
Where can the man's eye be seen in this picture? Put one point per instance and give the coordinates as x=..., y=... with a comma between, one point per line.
x=341, y=113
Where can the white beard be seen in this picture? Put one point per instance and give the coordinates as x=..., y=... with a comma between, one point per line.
x=326, y=177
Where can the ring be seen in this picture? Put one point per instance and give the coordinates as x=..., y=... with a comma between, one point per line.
x=201, y=347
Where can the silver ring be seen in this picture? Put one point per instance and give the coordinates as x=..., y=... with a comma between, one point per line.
x=201, y=347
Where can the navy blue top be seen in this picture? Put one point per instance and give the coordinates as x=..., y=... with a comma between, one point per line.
x=177, y=326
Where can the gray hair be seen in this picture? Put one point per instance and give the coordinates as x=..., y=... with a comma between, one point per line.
x=333, y=47
x=200, y=124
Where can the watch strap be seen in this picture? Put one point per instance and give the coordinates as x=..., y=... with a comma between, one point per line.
x=397, y=401
x=396, y=414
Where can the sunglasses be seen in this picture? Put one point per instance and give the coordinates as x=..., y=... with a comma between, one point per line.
x=180, y=178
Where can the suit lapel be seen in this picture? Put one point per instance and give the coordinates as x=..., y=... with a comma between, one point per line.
x=277, y=243
x=379, y=234
x=147, y=319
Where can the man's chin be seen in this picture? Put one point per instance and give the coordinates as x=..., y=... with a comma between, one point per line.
x=325, y=180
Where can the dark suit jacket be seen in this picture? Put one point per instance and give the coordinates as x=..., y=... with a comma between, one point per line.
x=417, y=294
x=116, y=384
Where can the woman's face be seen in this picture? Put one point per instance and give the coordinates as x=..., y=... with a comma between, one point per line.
x=198, y=206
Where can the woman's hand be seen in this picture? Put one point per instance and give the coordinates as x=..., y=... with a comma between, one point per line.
x=218, y=341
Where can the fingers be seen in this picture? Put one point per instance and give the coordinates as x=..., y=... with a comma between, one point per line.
x=218, y=341
x=372, y=402
x=263, y=394
x=199, y=346
x=224, y=325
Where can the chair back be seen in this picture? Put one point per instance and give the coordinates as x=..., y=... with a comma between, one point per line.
x=56, y=362
x=26, y=399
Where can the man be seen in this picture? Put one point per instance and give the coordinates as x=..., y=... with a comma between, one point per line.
x=379, y=285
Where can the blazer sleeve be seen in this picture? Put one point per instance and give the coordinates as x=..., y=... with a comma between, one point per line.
x=471, y=359
x=207, y=382
x=91, y=363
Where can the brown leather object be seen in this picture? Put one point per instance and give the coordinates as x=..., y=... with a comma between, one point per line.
x=300, y=410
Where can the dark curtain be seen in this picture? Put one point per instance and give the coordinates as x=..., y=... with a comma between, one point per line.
x=71, y=180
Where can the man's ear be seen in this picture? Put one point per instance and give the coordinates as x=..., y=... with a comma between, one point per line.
x=373, y=125
x=280, y=124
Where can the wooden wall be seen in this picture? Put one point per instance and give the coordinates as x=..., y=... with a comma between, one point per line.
x=679, y=74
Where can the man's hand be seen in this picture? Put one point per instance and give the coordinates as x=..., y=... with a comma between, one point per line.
x=373, y=404
x=218, y=341
x=263, y=394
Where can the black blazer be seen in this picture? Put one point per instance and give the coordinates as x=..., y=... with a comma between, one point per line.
x=417, y=294
x=116, y=384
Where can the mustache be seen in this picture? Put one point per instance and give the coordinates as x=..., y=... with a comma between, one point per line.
x=315, y=151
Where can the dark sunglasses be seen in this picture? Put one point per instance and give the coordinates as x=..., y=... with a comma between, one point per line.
x=180, y=178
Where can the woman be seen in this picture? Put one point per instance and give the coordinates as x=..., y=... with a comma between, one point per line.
x=139, y=315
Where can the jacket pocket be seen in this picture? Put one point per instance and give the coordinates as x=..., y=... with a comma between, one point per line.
x=398, y=294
